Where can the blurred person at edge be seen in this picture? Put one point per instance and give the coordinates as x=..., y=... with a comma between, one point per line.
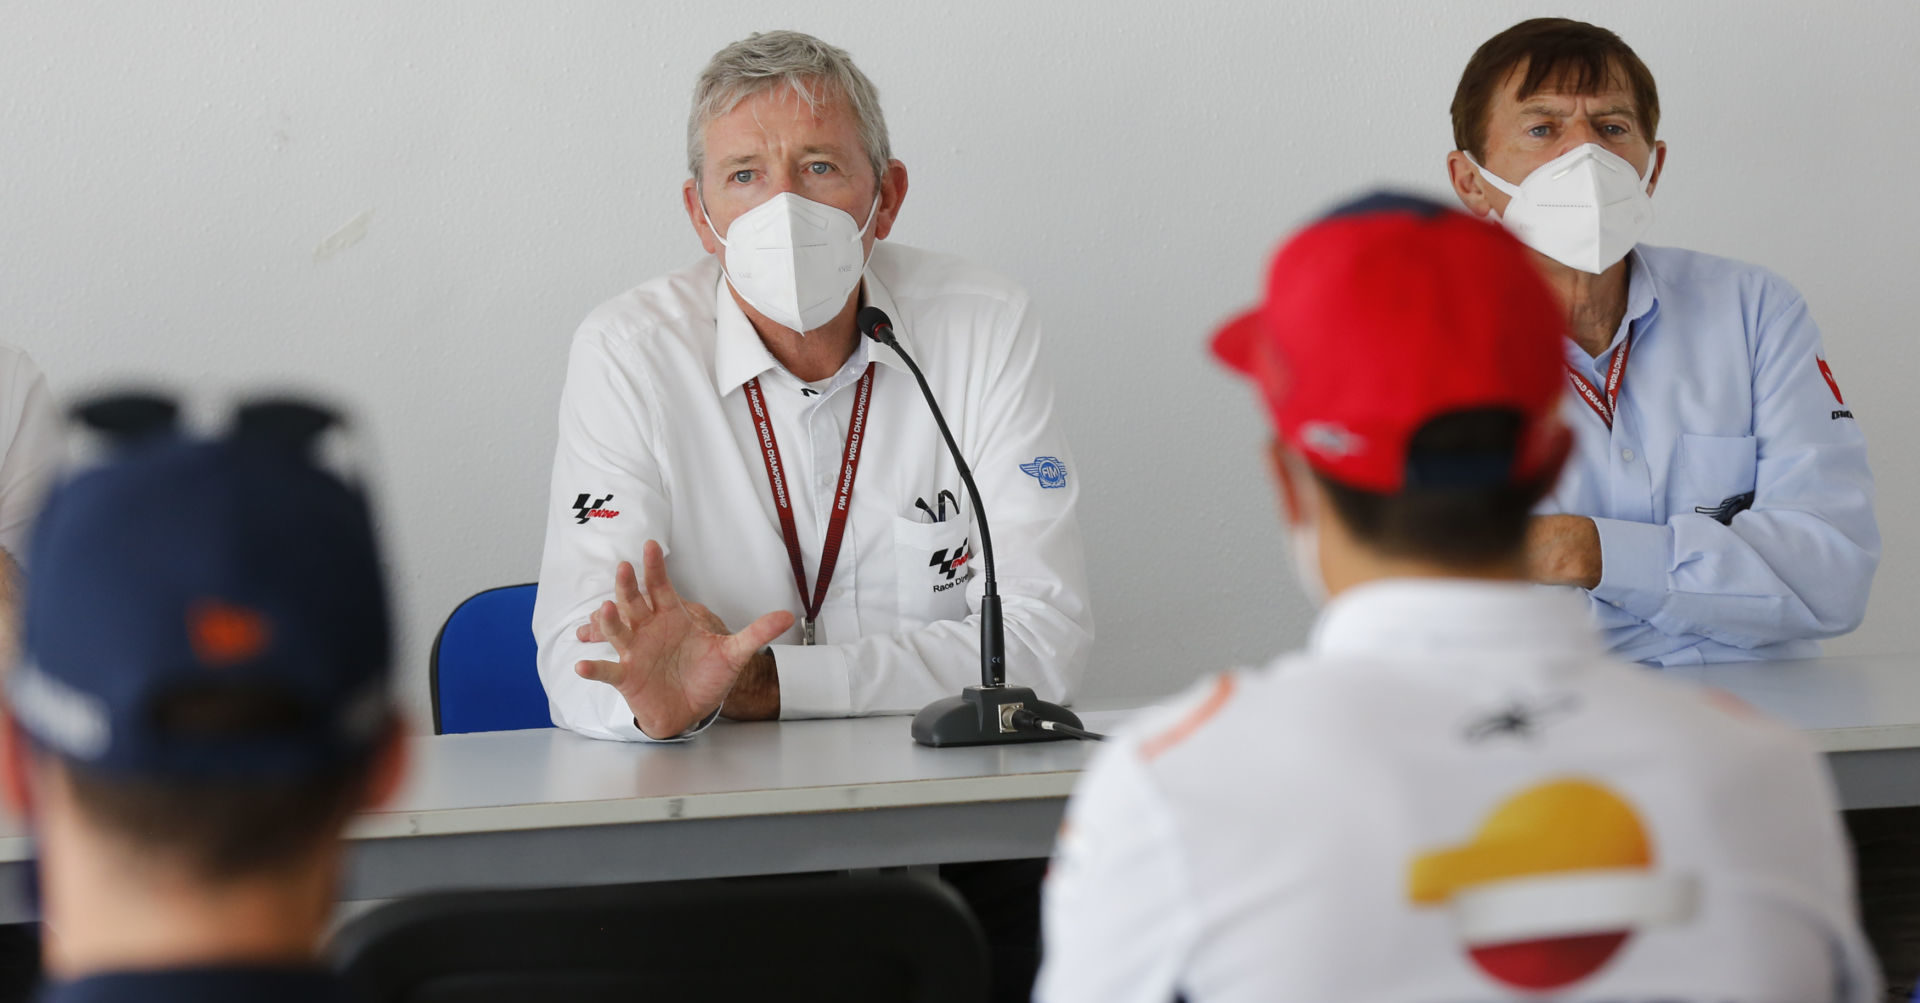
x=200, y=704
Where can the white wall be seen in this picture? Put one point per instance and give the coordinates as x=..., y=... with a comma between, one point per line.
x=171, y=171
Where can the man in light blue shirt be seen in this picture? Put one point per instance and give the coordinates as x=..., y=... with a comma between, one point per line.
x=1718, y=505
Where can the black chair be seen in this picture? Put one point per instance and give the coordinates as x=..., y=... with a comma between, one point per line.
x=847, y=938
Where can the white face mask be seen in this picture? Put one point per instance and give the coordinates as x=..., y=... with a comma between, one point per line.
x=793, y=259
x=1585, y=208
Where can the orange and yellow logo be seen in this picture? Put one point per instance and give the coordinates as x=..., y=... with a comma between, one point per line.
x=1557, y=879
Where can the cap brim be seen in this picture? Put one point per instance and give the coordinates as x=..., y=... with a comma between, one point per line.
x=1236, y=343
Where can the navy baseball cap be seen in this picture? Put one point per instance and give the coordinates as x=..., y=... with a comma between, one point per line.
x=207, y=609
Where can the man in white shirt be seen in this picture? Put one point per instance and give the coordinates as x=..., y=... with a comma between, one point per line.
x=1453, y=794
x=728, y=424
x=1718, y=506
x=731, y=416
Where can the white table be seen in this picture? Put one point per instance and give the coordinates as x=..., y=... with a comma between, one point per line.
x=545, y=807
x=1862, y=711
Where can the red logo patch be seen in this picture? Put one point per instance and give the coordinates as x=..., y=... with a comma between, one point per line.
x=223, y=634
x=1833, y=384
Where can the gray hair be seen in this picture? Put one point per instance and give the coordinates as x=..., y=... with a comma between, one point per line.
x=765, y=61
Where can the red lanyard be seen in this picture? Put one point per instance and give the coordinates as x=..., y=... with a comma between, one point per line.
x=1604, y=404
x=837, y=522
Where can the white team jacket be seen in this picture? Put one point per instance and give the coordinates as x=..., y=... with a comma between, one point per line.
x=655, y=443
x=1454, y=796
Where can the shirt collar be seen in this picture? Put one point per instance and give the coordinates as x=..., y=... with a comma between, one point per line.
x=739, y=354
x=1422, y=618
x=1643, y=301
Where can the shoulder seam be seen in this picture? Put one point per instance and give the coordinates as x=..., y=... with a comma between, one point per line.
x=1191, y=723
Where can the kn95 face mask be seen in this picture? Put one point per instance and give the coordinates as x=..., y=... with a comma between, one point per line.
x=1585, y=208
x=793, y=259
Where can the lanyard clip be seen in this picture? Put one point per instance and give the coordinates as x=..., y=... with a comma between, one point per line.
x=806, y=632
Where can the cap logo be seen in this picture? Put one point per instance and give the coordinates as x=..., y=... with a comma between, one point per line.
x=1329, y=439
x=223, y=634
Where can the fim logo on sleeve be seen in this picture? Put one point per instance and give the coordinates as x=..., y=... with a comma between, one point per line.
x=1553, y=885
x=951, y=563
x=595, y=509
x=1048, y=469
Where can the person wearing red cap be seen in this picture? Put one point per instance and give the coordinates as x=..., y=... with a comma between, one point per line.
x=1718, y=505
x=1454, y=793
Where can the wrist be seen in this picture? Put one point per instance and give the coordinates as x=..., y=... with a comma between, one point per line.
x=1584, y=554
x=756, y=694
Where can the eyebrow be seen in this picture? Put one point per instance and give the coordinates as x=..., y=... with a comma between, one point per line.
x=1611, y=111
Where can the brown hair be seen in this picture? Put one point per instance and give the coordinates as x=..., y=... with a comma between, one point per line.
x=222, y=831
x=1578, y=57
x=219, y=833
x=1474, y=523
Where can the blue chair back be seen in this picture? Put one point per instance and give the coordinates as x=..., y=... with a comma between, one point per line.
x=483, y=673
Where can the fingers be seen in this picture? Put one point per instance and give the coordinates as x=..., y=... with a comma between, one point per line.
x=607, y=622
x=598, y=671
x=589, y=633
x=659, y=587
x=756, y=635
x=627, y=591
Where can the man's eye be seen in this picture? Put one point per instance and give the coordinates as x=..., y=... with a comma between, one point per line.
x=742, y=177
x=820, y=167
x=1540, y=131
x=1614, y=129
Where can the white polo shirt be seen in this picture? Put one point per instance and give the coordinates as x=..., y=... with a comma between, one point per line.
x=1453, y=796
x=30, y=448
x=656, y=443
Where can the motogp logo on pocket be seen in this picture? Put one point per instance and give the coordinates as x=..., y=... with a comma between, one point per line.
x=1051, y=472
x=951, y=566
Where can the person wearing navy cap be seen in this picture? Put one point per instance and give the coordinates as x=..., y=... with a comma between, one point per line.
x=1454, y=792
x=200, y=703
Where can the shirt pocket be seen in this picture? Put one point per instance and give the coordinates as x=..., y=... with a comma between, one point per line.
x=1712, y=475
x=932, y=563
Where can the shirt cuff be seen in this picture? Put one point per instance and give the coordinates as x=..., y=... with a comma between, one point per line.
x=641, y=736
x=1633, y=565
x=813, y=681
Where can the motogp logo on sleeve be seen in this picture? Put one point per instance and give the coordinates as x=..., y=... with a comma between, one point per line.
x=1051, y=472
x=595, y=509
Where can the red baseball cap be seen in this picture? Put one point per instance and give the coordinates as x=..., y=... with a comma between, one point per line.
x=1392, y=311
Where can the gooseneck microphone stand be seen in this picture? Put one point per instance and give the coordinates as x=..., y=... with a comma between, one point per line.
x=991, y=713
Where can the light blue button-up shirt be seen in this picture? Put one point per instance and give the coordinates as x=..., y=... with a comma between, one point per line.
x=1725, y=393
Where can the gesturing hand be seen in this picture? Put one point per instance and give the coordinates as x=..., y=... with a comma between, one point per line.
x=672, y=669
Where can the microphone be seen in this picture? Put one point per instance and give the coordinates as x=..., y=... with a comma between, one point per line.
x=991, y=713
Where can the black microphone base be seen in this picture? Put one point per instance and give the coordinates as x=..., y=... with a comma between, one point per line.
x=982, y=716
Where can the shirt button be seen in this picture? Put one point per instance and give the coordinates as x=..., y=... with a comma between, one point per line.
x=1627, y=455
